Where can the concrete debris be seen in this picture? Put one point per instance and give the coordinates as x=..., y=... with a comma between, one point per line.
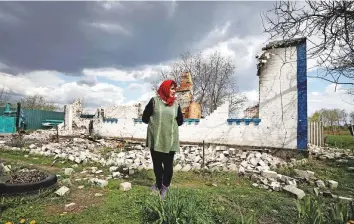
x=63, y=191
x=316, y=191
x=305, y=174
x=7, y=168
x=98, y=195
x=332, y=184
x=68, y=171
x=70, y=207
x=345, y=198
x=122, y=162
x=320, y=184
x=323, y=153
x=99, y=182
x=126, y=186
x=295, y=191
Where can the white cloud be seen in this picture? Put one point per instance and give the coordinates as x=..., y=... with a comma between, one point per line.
x=111, y=28
x=141, y=73
x=330, y=99
x=108, y=5
x=57, y=90
x=44, y=78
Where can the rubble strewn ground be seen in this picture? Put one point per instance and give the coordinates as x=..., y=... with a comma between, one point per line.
x=260, y=167
x=96, y=163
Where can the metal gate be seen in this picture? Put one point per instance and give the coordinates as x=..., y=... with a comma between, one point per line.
x=7, y=125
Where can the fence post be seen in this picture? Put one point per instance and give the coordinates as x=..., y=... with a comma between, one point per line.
x=203, y=155
x=56, y=126
x=18, y=115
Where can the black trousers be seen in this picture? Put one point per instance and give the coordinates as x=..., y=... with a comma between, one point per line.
x=163, y=167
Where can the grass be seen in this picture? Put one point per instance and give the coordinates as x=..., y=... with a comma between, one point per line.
x=341, y=141
x=216, y=197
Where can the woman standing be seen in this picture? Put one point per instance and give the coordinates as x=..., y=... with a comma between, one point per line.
x=163, y=116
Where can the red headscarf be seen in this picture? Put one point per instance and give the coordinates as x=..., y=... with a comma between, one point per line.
x=164, y=92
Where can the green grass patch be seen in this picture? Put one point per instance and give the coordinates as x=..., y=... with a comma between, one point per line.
x=341, y=141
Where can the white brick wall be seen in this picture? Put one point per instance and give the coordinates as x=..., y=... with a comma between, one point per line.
x=278, y=113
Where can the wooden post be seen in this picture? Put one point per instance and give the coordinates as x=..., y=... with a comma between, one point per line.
x=57, y=133
x=18, y=116
x=203, y=155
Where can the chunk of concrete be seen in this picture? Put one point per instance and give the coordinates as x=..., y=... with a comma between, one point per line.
x=178, y=167
x=126, y=186
x=306, y=174
x=68, y=171
x=116, y=174
x=320, y=184
x=113, y=168
x=275, y=186
x=99, y=182
x=63, y=191
x=70, y=207
x=269, y=174
x=332, y=184
x=295, y=191
x=316, y=191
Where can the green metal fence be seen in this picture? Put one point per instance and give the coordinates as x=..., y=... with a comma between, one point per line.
x=34, y=118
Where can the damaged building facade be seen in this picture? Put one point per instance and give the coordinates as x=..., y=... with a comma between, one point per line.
x=282, y=108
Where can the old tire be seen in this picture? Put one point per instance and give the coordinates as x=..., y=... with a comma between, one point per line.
x=28, y=188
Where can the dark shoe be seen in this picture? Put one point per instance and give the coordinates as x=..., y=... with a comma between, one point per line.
x=164, y=191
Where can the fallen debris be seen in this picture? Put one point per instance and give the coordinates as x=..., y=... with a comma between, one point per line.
x=69, y=207
x=295, y=191
x=63, y=191
x=332, y=184
x=126, y=186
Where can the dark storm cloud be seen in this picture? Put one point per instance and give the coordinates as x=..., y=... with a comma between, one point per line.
x=70, y=36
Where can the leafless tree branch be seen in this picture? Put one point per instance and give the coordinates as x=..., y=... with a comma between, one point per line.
x=213, y=80
x=331, y=22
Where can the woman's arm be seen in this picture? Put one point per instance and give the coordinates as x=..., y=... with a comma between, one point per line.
x=149, y=109
x=179, y=116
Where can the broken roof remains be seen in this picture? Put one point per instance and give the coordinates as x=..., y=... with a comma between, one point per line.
x=284, y=43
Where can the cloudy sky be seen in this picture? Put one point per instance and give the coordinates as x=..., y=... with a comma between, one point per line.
x=107, y=52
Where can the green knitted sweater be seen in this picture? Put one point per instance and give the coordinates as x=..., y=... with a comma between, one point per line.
x=162, y=131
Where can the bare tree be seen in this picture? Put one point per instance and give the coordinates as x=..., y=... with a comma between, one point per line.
x=4, y=96
x=331, y=22
x=212, y=77
x=37, y=102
